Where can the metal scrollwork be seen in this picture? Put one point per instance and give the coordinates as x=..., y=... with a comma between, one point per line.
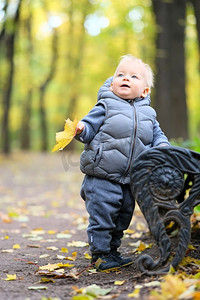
x=165, y=182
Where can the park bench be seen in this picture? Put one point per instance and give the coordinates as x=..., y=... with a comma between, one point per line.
x=165, y=182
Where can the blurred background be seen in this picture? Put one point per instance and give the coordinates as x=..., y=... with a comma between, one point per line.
x=55, y=55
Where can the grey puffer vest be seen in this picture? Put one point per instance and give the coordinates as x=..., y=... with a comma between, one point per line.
x=127, y=131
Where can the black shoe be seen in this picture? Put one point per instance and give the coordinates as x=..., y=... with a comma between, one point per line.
x=104, y=262
x=123, y=261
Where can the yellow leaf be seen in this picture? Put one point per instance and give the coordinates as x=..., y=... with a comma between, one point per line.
x=11, y=277
x=46, y=280
x=188, y=260
x=171, y=270
x=136, y=235
x=77, y=244
x=135, y=294
x=51, y=232
x=16, y=246
x=6, y=237
x=63, y=138
x=73, y=257
x=88, y=256
x=65, y=265
x=152, y=283
x=60, y=256
x=191, y=247
x=196, y=295
x=173, y=286
x=142, y=246
x=50, y=267
x=140, y=226
x=117, y=282
x=130, y=231
x=64, y=250
x=52, y=248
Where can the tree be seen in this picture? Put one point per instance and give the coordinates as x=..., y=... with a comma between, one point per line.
x=7, y=41
x=170, y=96
x=26, y=109
x=196, y=5
x=75, y=58
x=43, y=88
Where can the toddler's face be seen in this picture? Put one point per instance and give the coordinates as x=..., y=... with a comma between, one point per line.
x=129, y=81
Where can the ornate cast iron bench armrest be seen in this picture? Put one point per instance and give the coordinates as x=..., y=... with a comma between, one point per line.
x=165, y=182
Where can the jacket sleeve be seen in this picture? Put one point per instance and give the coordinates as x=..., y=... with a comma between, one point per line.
x=159, y=136
x=92, y=121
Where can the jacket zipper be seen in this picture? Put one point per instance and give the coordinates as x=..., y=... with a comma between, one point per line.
x=134, y=138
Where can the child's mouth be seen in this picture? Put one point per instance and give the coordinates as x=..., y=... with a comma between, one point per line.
x=125, y=85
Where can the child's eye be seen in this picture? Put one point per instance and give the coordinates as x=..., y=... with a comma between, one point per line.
x=120, y=75
x=134, y=76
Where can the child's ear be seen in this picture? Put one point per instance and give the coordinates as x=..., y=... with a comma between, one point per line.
x=145, y=92
x=111, y=87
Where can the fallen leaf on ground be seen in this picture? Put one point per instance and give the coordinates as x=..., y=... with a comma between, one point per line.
x=135, y=294
x=60, y=256
x=171, y=288
x=77, y=244
x=34, y=246
x=63, y=236
x=117, y=282
x=73, y=257
x=91, y=292
x=16, y=246
x=139, y=246
x=58, y=273
x=44, y=256
x=46, y=280
x=10, y=277
x=87, y=256
x=50, y=267
x=37, y=288
x=52, y=248
x=64, y=250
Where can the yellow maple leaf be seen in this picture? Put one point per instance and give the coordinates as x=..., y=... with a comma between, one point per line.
x=11, y=277
x=16, y=246
x=50, y=267
x=63, y=138
x=172, y=286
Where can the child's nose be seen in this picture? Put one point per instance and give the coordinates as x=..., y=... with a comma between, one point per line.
x=127, y=77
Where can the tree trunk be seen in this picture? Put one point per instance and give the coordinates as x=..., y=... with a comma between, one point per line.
x=170, y=96
x=26, y=110
x=42, y=91
x=8, y=36
x=75, y=61
x=26, y=116
x=196, y=4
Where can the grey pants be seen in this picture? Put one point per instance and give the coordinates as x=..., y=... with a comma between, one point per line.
x=110, y=206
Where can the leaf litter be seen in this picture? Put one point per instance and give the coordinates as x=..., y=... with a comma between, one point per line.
x=58, y=234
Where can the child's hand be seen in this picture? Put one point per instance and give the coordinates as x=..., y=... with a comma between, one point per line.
x=80, y=127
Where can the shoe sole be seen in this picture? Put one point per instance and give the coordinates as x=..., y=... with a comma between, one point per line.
x=128, y=264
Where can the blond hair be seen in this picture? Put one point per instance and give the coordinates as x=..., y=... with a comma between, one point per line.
x=148, y=71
